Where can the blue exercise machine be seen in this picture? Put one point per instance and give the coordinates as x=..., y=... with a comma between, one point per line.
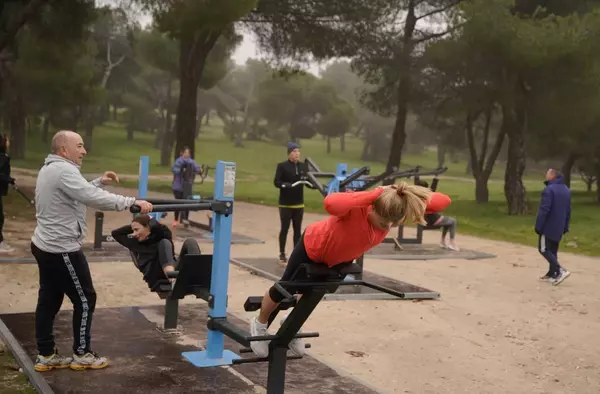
x=312, y=281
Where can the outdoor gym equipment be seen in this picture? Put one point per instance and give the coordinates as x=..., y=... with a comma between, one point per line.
x=22, y=194
x=341, y=180
x=400, y=239
x=312, y=281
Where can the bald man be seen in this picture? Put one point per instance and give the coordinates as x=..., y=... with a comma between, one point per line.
x=61, y=197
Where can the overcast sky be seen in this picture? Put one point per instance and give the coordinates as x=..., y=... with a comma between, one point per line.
x=247, y=49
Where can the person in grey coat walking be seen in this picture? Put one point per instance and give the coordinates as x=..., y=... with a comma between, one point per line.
x=61, y=197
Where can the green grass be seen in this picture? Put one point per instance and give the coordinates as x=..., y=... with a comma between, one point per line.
x=11, y=380
x=112, y=150
x=256, y=164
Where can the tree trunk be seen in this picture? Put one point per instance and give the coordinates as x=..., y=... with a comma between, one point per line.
x=114, y=112
x=17, y=124
x=12, y=26
x=207, y=117
x=482, y=194
x=328, y=144
x=441, y=154
x=166, y=148
x=343, y=143
x=514, y=124
x=201, y=113
x=403, y=91
x=192, y=59
x=567, y=167
x=46, y=128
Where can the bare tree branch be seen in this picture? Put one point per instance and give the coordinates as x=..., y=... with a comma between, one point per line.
x=439, y=10
x=436, y=35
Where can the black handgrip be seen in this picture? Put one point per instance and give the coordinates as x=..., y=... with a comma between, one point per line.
x=135, y=209
x=172, y=274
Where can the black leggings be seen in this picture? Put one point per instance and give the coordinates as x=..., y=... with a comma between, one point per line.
x=60, y=274
x=287, y=215
x=166, y=252
x=298, y=256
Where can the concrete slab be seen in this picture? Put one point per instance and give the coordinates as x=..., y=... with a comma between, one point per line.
x=142, y=360
x=387, y=251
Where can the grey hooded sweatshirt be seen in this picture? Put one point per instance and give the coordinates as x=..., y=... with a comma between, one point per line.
x=61, y=197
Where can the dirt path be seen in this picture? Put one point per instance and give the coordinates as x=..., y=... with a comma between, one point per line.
x=496, y=328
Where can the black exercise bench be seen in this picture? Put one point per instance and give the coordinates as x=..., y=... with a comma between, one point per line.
x=192, y=277
x=419, y=239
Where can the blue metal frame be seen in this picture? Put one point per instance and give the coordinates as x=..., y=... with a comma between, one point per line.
x=341, y=173
x=144, y=173
x=215, y=354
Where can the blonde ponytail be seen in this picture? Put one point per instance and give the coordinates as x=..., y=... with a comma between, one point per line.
x=402, y=202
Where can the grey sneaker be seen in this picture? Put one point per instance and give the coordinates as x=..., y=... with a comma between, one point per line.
x=257, y=329
x=6, y=248
x=48, y=363
x=89, y=360
x=564, y=274
x=297, y=345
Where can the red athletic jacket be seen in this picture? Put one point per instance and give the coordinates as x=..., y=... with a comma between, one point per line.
x=347, y=233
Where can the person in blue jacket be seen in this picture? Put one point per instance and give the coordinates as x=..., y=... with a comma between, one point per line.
x=184, y=172
x=554, y=215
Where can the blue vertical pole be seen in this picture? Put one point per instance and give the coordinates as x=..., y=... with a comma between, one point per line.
x=144, y=172
x=224, y=191
x=143, y=176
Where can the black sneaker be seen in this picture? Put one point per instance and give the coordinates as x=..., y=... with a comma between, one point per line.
x=282, y=258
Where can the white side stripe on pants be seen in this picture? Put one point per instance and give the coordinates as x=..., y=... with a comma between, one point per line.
x=542, y=244
x=84, y=303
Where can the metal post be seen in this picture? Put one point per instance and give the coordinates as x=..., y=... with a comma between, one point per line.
x=143, y=179
x=171, y=313
x=143, y=176
x=98, y=227
x=286, y=333
x=360, y=261
x=215, y=354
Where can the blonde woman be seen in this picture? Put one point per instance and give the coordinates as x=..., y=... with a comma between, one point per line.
x=359, y=221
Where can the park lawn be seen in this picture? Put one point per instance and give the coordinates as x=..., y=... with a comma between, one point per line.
x=255, y=170
x=111, y=150
x=11, y=380
x=482, y=220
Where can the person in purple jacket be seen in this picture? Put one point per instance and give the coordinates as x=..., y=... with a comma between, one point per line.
x=184, y=171
x=554, y=215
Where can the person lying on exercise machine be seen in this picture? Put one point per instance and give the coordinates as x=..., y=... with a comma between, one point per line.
x=152, y=246
x=359, y=221
x=446, y=223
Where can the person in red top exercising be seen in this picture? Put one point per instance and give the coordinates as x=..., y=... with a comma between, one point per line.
x=358, y=222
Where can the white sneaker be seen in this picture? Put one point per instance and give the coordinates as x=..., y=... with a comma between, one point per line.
x=443, y=245
x=6, y=248
x=453, y=247
x=257, y=329
x=89, y=360
x=297, y=345
x=564, y=274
